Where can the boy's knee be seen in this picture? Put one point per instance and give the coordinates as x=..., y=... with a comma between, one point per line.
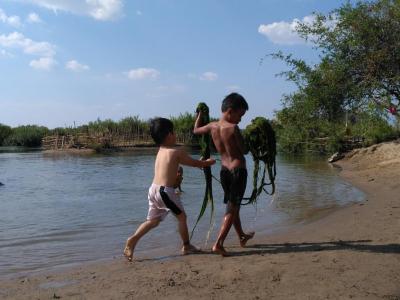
x=181, y=217
x=232, y=208
x=154, y=222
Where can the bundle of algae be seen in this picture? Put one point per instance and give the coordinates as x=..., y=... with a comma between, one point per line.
x=205, y=141
x=259, y=138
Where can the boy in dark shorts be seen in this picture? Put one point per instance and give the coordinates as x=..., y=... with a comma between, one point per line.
x=229, y=143
x=162, y=197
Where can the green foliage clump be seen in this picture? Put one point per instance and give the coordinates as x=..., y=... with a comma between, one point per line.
x=27, y=136
x=5, y=132
x=205, y=141
x=183, y=126
x=127, y=128
x=357, y=75
x=374, y=129
x=259, y=137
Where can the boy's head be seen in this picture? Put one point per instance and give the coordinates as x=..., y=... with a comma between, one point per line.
x=234, y=106
x=161, y=129
x=234, y=101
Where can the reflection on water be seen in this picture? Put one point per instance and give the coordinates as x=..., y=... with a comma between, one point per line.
x=65, y=209
x=311, y=187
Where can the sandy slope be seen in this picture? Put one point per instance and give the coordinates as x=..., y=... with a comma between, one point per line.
x=353, y=253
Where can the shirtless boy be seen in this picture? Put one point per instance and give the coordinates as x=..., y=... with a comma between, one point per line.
x=229, y=143
x=162, y=197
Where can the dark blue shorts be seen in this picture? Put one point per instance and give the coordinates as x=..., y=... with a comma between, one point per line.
x=234, y=184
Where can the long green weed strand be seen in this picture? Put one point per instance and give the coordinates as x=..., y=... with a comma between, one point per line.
x=260, y=139
x=205, y=152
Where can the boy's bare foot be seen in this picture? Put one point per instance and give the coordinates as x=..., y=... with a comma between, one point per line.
x=219, y=250
x=244, y=238
x=128, y=253
x=190, y=249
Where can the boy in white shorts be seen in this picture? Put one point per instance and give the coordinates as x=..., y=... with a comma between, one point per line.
x=162, y=196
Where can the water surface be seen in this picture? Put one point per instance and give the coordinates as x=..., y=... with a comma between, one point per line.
x=65, y=209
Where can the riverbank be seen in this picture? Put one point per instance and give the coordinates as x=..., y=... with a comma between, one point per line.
x=352, y=253
x=136, y=148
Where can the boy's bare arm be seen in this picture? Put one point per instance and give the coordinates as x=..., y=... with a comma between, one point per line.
x=186, y=160
x=198, y=129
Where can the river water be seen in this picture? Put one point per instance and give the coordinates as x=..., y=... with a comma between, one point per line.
x=62, y=210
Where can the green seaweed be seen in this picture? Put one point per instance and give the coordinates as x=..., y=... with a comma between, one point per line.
x=205, y=152
x=259, y=138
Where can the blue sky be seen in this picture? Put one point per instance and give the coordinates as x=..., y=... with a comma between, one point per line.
x=66, y=61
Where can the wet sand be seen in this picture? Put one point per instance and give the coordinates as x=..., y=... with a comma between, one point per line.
x=353, y=253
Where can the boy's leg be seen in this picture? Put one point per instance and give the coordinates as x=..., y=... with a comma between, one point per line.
x=187, y=248
x=232, y=211
x=141, y=231
x=184, y=233
x=243, y=237
x=182, y=227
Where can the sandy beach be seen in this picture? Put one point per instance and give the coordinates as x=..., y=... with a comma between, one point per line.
x=353, y=253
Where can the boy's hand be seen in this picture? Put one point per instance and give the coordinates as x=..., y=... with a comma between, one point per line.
x=199, y=114
x=210, y=162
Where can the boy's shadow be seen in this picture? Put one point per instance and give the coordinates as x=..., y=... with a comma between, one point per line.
x=260, y=249
x=360, y=245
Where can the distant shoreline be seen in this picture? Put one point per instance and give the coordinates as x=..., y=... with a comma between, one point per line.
x=111, y=150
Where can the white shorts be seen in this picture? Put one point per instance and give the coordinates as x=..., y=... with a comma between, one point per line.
x=161, y=201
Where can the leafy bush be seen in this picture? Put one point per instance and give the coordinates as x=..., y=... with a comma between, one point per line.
x=373, y=128
x=28, y=136
x=5, y=132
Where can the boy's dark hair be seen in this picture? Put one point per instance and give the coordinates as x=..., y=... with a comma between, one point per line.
x=160, y=128
x=234, y=101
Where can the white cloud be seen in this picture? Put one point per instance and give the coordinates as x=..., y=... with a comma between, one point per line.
x=233, y=88
x=166, y=91
x=284, y=33
x=143, y=73
x=209, y=76
x=75, y=66
x=10, y=20
x=14, y=21
x=176, y=88
x=45, y=50
x=43, y=63
x=5, y=53
x=19, y=41
x=104, y=9
x=98, y=9
x=139, y=13
x=34, y=18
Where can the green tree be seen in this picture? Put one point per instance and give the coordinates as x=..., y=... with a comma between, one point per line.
x=363, y=41
x=358, y=75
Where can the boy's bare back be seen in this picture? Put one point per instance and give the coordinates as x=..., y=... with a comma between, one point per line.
x=229, y=143
x=166, y=166
x=167, y=163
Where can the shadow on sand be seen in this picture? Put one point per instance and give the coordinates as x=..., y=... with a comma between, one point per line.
x=258, y=249
x=360, y=245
